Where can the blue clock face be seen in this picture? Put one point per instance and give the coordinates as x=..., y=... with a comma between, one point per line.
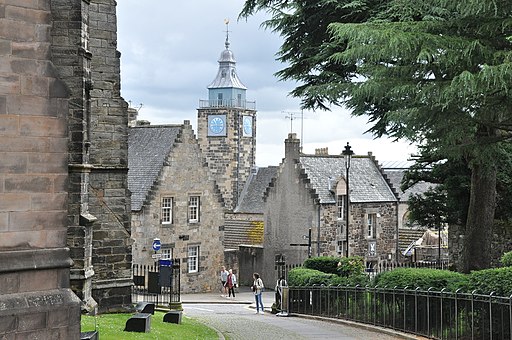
x=217, y=125
x=247, y=126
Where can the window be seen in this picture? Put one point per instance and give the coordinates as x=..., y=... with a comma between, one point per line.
x=371, y=225
x=167, y=210
x=219, y=99
x=193, y=259
x=340, y=205
x=193, y=209
x=166, y=252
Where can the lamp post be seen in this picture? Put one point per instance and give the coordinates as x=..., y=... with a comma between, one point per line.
x=347, y=153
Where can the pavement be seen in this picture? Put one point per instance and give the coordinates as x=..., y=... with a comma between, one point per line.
x=243, y=295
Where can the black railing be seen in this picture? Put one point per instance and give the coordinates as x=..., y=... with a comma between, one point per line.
x=434, y=314
x=158, y=283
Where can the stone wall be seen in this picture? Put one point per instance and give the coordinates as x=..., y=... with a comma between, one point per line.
x=35, y=297
x=85, y=54
x=229, y=158
x=183, y=175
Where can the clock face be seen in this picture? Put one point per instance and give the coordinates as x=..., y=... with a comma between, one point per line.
x=217, y=125
x=247, y=122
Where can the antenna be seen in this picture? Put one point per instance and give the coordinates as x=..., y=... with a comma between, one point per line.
x=293, y=115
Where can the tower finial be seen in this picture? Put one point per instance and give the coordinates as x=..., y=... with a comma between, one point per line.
x=226, y=21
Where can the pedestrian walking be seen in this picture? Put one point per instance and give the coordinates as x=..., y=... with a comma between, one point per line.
x=223, y=278
x=231, y=283
x=281, y=282
x=257, y=288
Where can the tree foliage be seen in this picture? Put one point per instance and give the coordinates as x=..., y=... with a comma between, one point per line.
x=436, y=72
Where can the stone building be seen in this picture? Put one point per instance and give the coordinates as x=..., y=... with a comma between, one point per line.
x=309, y=192
x=35, y=296
x=169, y=167
x=84, y=41
x=63, y=174
x=175, y=199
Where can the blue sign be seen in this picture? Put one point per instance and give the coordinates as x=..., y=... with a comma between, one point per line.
x=156, y=244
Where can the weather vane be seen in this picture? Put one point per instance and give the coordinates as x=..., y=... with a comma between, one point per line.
x=226, y=21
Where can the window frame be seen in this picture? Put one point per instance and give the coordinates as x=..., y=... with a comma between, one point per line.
x=371, y=225
x=340, y=208
x=193, y=259
x=193, y=211
x=164, y=209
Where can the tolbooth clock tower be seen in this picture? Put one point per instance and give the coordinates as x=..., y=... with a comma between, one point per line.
x=226, y=128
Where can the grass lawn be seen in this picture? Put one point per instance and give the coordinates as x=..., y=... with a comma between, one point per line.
x=111, y=326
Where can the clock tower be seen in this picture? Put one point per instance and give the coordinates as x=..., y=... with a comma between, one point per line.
x=226, y=128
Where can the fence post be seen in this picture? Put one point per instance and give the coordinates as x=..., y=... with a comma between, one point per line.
x=416, y=309
x=490, y=315
x=428, y=310
x=405, y=309
x=457, y=314
x=473, y=314
x=441, y=312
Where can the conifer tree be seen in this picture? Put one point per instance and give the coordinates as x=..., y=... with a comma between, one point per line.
x=436, y=72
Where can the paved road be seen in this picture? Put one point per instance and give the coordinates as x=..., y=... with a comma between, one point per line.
x=236, y=319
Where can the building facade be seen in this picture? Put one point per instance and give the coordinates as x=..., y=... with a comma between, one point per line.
x=175, y=199
x=305, y=209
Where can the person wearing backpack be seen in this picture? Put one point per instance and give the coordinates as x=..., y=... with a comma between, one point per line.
x=257, y=288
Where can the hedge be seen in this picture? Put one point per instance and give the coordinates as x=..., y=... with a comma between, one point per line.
x=486, y=281
x=422, y=278
x=343, y=266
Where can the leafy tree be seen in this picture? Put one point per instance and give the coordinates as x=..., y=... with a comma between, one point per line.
x=436, y=72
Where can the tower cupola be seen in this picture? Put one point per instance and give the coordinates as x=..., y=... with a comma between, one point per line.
x=227, y=90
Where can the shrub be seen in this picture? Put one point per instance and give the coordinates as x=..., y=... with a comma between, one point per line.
x=306, y=277
x=326, y=264
x=423, y=278
x=350, y=266
x=343, y=266
x=497, y=280
x=506, y=259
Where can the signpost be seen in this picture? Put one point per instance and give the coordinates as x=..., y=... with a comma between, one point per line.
x=156, y=244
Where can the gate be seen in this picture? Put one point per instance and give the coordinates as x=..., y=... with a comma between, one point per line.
x=158, y=283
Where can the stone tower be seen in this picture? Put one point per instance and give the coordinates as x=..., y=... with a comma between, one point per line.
x=226, y=128
x=84, y=50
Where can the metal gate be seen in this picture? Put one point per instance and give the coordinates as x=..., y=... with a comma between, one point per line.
x=158, y=283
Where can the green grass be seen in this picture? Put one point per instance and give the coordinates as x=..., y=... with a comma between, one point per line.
x=111, y=326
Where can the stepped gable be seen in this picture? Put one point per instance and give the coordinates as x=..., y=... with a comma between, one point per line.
x=148, y=148
x=366, y=181
x=252, y=196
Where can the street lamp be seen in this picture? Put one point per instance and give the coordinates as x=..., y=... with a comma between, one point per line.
x=347, y=153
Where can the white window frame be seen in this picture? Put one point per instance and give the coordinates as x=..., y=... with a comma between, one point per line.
x=166, y=210
x=371, y=222
x=194, y=203
x=193, y=259
x=340, y=207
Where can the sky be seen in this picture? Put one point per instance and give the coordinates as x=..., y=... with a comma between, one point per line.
x=169, y=55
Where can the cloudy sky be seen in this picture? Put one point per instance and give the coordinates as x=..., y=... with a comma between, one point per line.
x=169, y=53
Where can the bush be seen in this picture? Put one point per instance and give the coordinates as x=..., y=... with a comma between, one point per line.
x=343, y=266
x=325, y=264
x=497, y=280
x=506, y=259
x=350, y=266
x=423, y=278
x=301, y=276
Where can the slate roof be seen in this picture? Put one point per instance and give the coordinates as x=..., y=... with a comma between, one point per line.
x=251, y=198
x=395, y=177
x=148, y=147
x=366, y=182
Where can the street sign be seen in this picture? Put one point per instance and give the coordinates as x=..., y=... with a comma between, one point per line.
x=156, y=244
x=156, y=256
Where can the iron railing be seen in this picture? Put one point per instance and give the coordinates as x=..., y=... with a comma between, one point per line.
x=429, y=313
x=158, y=283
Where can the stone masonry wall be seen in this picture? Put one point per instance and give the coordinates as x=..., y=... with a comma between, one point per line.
x=35, y=297
x=222, y=153
x=185, y=175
